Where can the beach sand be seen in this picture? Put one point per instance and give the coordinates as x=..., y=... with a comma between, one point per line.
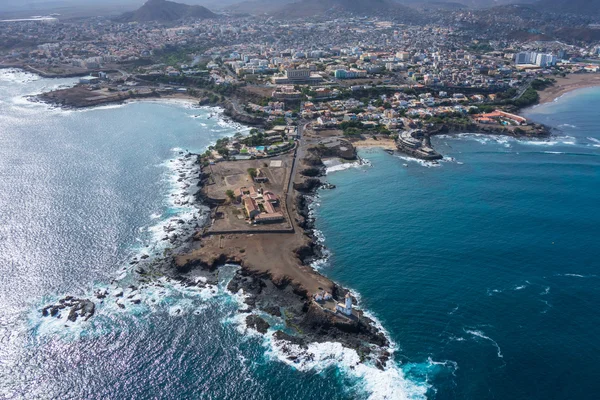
x=568, y=84
x=387, y=144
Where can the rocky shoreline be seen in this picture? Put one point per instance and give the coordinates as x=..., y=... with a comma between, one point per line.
x=306, y=322
x=425, y=151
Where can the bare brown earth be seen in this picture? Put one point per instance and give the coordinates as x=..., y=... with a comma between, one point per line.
x=263, y=253
x=260, y=250
x=567, y=84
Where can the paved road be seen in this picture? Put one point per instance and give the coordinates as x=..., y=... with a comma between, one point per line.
x=298, y=155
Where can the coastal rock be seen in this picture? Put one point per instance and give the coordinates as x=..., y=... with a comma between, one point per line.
x=311, y=172
x=257, y=323
x=273, y=310
x=307, y=186
x=77, y=308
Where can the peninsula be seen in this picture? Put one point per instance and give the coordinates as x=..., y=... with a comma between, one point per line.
x=312, y=89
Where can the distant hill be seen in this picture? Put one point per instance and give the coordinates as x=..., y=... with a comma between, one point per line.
x=166, y=11
x=258, y=7
x=457, y=4
x=582, y=7
x=308, y=8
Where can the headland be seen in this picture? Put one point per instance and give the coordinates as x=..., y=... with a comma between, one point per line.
x=259, y=189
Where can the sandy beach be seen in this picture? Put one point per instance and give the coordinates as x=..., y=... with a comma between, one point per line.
x=387, y=144
x=568, y=84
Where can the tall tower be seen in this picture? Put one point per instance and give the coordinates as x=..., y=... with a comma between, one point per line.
x=348, y=304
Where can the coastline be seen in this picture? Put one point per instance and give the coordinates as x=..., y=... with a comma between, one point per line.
x=194, y=260
x=185, y=260
x=568, y=84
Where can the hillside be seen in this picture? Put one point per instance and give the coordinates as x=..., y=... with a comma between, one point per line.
x=308, y=8
x=166, y=11
x=582, y=7
x=258, y=7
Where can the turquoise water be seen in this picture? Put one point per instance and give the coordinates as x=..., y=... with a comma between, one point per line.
x=482, y=270
x=487, y=263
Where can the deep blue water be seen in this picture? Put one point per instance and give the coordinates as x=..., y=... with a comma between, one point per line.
x=482, y=270
x=488, y=262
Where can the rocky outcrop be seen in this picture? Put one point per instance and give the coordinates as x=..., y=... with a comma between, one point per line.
x=77, y=308
x=307, y=186
x=312, y=172
x=184, y=265
x=343, y=149
x=257, y=323
x=240, y=117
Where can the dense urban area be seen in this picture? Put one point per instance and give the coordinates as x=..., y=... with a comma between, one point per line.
x=402, y=77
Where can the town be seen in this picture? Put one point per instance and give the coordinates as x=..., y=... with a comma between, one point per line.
x=353, y=76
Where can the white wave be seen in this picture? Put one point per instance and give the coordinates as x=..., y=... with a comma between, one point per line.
x=595, y=141
x=567, y=126
x=164, y=294
x=112, y=106
x=424, y=163
x=546, y=290
x=548, y=306
x=17, y=76
x=520, y=287
x=482, y=335
x=455, y=309
x=491, y=292
x=389, y=383
x=335, y=165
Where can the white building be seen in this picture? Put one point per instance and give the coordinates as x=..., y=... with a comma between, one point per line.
x=525, y=57
x=545, y=60
x=346, y=307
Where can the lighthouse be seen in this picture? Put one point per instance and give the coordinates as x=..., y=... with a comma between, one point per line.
x=345, y=308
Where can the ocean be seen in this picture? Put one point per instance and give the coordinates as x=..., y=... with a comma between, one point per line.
x=482, y=269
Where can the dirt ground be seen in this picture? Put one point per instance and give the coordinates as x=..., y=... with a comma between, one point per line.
x=273, y=253
x=230, y=175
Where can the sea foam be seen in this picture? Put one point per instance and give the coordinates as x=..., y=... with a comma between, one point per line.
x=389, y=383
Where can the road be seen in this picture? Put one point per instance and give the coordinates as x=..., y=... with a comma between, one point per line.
x=298, y=155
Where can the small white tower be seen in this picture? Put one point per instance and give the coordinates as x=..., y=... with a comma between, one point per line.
x=346, y=307
x=348, y=304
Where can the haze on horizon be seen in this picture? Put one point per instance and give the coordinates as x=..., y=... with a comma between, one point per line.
x=33, y=6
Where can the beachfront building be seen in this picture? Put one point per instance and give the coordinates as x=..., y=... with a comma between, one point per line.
x=500, y=116
x=345, y=307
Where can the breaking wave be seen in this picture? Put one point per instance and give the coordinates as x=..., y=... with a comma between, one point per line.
x=481, y=335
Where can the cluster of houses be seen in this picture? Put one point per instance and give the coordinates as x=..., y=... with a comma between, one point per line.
x=260, y=206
